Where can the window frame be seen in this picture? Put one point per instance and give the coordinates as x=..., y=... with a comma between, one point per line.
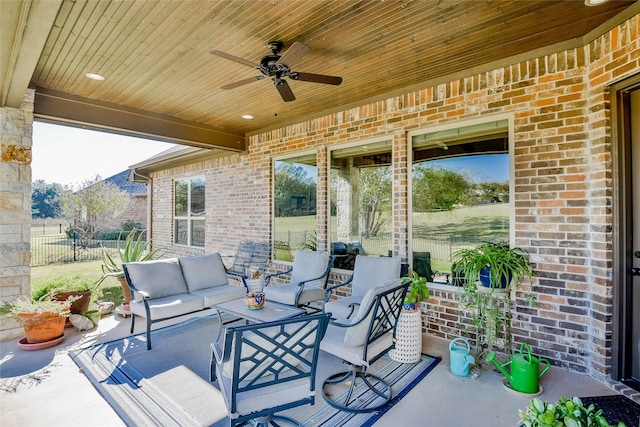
x=189, y=218
x=285, y=157
x=509, y=117
x=388, y=138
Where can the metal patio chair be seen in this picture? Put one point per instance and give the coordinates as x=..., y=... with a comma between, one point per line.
x=249, y=254
x=265, y=368
x=368, y=272
x=309, y=277
x=360, y=342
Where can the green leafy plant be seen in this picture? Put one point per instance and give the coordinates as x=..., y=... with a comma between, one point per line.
x=134, y=249
x=311, y=242
x=63, y=283
x=502, y=260
x=13, y=309
x=565, y=412
x=418, y=290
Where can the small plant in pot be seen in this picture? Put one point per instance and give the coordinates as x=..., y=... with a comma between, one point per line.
x=494, y=264
x=489, y=270
x=133, y=249
x=42, y=320
x=62, y=287
x=418, y=291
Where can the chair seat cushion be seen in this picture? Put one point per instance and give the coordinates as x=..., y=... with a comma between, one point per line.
x=333, y=343
x=220, y=294
x=286, y=294
x=170, y=306
x=267, y=397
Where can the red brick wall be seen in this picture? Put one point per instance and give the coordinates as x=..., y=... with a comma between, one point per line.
x=563, y=190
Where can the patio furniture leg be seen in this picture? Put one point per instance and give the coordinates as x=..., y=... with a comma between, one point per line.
x=381, y=388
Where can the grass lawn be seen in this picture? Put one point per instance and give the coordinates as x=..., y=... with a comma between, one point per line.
x=109, y=289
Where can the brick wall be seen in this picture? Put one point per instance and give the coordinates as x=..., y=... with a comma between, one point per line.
x=136, y=211
x=563, y=191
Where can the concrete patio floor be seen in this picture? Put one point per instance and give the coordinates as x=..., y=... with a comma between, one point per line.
x=46, y=388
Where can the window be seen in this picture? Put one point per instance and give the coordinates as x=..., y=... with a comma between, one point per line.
x=360, y=201
x=294, y=205
x=189, y=212
x=460, y=193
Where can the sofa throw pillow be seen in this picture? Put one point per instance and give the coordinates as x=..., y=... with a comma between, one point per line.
x=205, y=271
x=158, y=278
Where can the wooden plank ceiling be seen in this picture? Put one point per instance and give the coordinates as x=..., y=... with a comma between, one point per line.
x=155, y=56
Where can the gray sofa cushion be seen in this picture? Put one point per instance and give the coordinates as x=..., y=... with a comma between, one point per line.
x=158, y=278
x=201, y=272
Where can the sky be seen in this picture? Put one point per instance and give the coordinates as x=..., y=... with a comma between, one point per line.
x=70, y=156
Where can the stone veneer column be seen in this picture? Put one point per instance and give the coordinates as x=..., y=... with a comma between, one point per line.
x=16, y=127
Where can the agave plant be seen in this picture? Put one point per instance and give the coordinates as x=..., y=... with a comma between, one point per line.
x=135, y=249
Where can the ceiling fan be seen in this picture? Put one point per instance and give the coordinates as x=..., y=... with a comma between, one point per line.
x=277, y=67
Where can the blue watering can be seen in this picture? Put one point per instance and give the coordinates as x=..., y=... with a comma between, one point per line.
x=459, y=358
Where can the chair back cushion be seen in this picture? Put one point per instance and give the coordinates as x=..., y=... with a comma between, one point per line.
x=158, y=278
x=370, y=271
x=201, y=272
x=309, y=265
x=356, y=335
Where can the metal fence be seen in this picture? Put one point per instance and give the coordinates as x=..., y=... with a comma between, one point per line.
x=59, y=248
x=441, y=246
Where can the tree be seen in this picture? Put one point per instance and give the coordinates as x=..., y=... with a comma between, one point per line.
x=293, y=185
x=45, y=199
x=375, y=198
x=97, y=199
x=438, y=188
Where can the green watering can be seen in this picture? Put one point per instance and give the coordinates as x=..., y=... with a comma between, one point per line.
x=525, y=371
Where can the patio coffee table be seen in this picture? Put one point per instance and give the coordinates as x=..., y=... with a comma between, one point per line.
x=270, y=312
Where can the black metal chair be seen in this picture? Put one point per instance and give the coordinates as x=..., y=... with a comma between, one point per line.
x=368, y=272
x=359, y=343
x=307, y=283
x=266, y=368
x=249, y=254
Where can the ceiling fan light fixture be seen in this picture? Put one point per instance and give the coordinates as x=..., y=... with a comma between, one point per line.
x=94, y=76
x=594, y=2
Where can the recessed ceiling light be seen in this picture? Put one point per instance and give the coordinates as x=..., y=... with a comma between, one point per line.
x=594, y=2
x=94, y=76
x=247, y=116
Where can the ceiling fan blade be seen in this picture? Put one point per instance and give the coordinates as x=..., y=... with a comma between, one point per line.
x=234, y=58
x=294, y=54
x=241, y=82
x=316, y=78
x=285, y=90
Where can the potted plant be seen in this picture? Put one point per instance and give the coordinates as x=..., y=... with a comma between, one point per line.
x=565, y=412
x=494, y=264
x=134, y=249
x=488, y=271
x=62, y=287
x=42, y=320
x=417, y=292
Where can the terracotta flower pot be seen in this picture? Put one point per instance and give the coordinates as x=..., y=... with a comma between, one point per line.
x=126, y=291
x=42, y=327
x=79, y=306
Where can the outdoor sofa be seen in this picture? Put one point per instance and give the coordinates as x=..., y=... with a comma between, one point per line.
x=167, y=288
